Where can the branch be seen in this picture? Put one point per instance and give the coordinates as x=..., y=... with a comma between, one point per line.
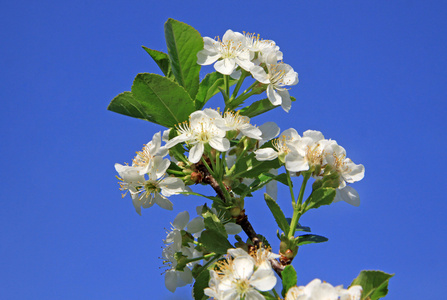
x=242, y=219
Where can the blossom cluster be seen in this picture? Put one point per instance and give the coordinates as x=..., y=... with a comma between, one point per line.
x=235, y=158
x=146, y=178
x=242, y=276
x=319, y=155
x=181, y=246
x=252, y=54
x=317, y=290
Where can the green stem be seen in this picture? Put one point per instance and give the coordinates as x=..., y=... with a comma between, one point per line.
x=238, y=85
x=227, y=84
x=276, y=294
x=175, y=172
x=218, y=166
x=289, y=182
x=207, y=166
x=297, y=206
x=219, y=182
x=209, y=255
x=216, y=256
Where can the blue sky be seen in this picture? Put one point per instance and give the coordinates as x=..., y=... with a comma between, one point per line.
x=372, y=76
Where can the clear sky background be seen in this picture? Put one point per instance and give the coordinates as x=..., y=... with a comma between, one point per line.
x=372, y=76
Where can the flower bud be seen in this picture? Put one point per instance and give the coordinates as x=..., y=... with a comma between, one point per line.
x=235, y=212
x=196, y=177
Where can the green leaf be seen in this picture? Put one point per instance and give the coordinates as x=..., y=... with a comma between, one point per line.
x=209, y=87
x=215, y=241
x=259, y=107
x=154, y=98
x=319, y=197
x=162, y=60
x=289, y=279
x=249, y=167
x=277, y=213
x=126, y=104
x=200, y=284
x=183, y=43
x=283, y=179
x=212, y=222
x=310, y=239
x=374, y=284
x=258, y=184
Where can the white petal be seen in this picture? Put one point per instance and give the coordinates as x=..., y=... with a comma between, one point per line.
x=239, y=252
x=286, y=102
x=181, y=220
x=273, y=96
x=254, y=295
x=205, y=57
x=295, y=162
x=266, y=154
x=196, y=152
x=233, y=228
x=259, y=74
x=357, y=172
x=314, y=135
x=291, y=134
x=269, y=130
x=349, y=195
x=178, y=139
x=171, y=280
x=263, y=280
x=221, y=144
x=252, y=132
x=236, y=74
x=244, y=62
x=186, y=276
x=225, y=66
x=243, y=267
x=196, y=225
x=163, y=202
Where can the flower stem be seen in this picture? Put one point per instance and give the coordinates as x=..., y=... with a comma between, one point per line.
x=209, y=255
x=297, y=206
x=227, y=84
x=238, y=85
x=289, y=182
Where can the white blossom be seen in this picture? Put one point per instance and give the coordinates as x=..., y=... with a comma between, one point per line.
x=260, y=48
x=204, y=128
x=145, y=157
x=234, y=121
x=240, y=278
x=155, y=189
x=227, y=54
x=280, y=147
x=317, y=290
x=349, y=173
x=278, y=77
x=175, y=278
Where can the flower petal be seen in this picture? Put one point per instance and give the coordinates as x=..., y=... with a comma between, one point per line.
x=225, y=66
x=266, y=154
x=196, y=152
x=349, y=195
x=263, y=280
x=196, y=225
x=232, y=228
x=181, y=220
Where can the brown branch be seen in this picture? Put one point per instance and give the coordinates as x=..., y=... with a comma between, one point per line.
x=242, y=219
